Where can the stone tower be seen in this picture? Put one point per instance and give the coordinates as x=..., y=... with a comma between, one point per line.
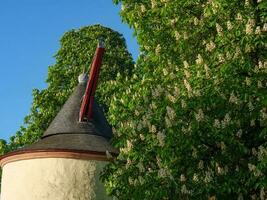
x=65, y=163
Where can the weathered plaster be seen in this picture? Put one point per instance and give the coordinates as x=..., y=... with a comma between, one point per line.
x=52, y=179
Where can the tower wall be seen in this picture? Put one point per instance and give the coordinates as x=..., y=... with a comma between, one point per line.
x=52, y=179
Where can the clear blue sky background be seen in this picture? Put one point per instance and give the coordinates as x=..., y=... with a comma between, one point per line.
x=29, y=37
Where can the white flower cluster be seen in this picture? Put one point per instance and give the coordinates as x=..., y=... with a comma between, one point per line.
x=186, y=65
x=143, y=8
x=187, y=86
x=219, y=29
x=199, y=115
x=187, y=73
x=239, y=133
x=171, y=113
x=210, y=46
x=233, y=98
x=249, y=26
x=199, y=59
x=161, y=138
x=177, y=35
x=185, y=35
x=153, y=3
x=158, y=49
x=164, y=173
x=229, y=25
x=239, y=17
x=207, y=71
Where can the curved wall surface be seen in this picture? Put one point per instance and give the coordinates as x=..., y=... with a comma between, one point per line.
x=52, y=179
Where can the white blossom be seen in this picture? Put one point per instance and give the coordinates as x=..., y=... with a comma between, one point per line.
x=195, y=177
x=250, y=106
x=174, y=21
x=168, y=122
x=248, y=81
x=199, y=115
x=258, y=30
x=201, y=164
x=187, y=73
x=183, y=104
x=208, y=177
x=163, y=173
x=237, y=52
x=186, y=65
x=182, y=178
x=221, y=58
x=109, y=156
x=129, y=144
x=170, y=112
x=219, y=29
x=171, y=98
x=228, y=55
x=227, y=119
x=216, y=123
x=131, y=181
x=229, y=25
x=196, y=21
x=141, y=167
x=161, y=138
x=165, y=71
x=142, y=137
x=251, y=167
x=177, y=35
x=249, y=26
x=158, y=49
x=262, y=153
x=153, y=129
x=239, y=17
x=210, y=46
x=143, y=8
x=153, y=3
x=185, y=36
x=239, y=133
x=220, y=170
x=199, y=59
x=233, y=98
x=254, y=151
x=260, y=84
x=184, y=189
x=141, y=180
x=223, y=146
x=187, y=85
x=264, y=27
x=260, y=65
x=263, y=114
x=207, y=70
x=247, y=48
x=176, y=91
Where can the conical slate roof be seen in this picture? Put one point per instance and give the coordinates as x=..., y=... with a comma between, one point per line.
x=66, y=133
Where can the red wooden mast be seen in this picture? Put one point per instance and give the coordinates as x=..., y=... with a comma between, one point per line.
x=86, y=110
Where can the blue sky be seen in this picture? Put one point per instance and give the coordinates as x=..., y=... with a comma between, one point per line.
x=29, y=37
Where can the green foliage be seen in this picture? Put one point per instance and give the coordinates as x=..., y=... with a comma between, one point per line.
x=74, y=56
x=191, y=123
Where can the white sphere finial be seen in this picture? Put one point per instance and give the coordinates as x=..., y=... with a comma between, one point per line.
x=101, y=42
x=83, y=78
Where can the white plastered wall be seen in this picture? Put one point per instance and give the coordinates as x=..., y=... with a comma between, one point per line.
x=52, y=179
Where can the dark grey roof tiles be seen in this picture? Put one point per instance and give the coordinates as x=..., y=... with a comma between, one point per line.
x=67, y=133
x=79, y=142
x=67, y=121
